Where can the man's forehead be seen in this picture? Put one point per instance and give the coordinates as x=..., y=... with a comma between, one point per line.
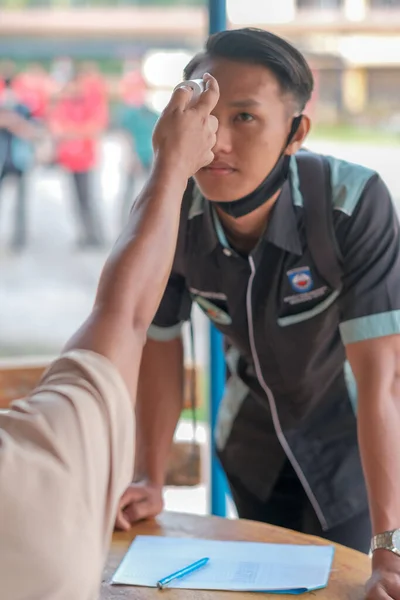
x=204, y=66
x=230, y=69
x=243, y=84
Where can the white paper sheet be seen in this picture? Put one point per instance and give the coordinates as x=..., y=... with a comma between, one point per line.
x=233, y=566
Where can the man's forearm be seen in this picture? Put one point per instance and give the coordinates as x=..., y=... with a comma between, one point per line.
x=158, y=408
x=376, y=366
x=134, y=277
x=379, y=438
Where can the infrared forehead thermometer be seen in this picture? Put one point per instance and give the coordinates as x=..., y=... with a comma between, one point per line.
x=197, y=85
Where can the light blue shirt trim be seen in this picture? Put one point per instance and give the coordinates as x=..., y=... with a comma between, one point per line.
x=234, y=396
x=308, y=314
x=348, y=181
x=219, y=230
x=197, y=207
x=164, y=334
x=351, y=385
x=372, y=326
x=295, y=182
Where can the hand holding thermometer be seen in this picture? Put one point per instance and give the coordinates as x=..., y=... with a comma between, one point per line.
x=197, y=85
x=182, y=572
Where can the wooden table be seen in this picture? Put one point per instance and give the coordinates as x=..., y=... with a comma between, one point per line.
x=350, y=569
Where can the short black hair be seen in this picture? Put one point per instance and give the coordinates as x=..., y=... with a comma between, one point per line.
x=260, y=47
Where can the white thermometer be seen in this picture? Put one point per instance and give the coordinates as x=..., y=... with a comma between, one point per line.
x=197, y=85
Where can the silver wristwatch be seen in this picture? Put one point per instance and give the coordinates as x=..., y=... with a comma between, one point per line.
x=389, y=540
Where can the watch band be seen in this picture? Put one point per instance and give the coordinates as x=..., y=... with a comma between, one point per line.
x=382, y=540
x=385, y=541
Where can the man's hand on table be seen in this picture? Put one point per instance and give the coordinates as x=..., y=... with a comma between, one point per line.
x=140, y=501
x=384, y=583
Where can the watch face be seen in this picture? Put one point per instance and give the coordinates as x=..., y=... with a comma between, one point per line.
x=396, y=539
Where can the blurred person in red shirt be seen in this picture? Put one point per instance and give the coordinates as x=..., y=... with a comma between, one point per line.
x=95, y=88
x=33, y=87
x=76, y=122
x=18, y=135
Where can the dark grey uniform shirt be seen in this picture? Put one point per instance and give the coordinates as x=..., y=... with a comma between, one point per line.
x=290, y=393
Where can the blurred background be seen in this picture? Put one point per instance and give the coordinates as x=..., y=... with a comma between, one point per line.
x=81, y=85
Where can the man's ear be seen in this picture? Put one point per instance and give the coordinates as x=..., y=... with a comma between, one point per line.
x=300, y=135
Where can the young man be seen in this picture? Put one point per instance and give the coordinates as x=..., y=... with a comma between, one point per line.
x=63, y=450
x=296, y=259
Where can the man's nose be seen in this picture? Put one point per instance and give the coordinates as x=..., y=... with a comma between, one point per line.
x=223, y=144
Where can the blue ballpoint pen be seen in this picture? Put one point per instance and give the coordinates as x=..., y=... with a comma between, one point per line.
x=182, y=572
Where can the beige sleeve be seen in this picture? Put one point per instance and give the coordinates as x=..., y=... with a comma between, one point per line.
x=66, y=456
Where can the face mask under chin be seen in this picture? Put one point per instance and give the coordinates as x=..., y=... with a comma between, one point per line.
x=268, y=187
x=271, y=184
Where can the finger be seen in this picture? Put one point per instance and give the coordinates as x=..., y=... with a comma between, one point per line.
x=209, y=98
x=139, y=511
x=212, y=140
x=122, y=521
x=180, y=98
x=213, y=123
x=209, y=158
x=135, y=493
x=392, y=590
x=377, y=593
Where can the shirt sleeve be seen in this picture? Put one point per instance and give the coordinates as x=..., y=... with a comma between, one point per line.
x=173, y=311
x=369, y=239
x=66, y=456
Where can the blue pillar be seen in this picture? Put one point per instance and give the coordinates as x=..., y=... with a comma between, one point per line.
x=217, y=22
x=217, y=384
x=217, y=15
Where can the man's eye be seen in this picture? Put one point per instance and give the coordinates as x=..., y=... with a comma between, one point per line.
x=245, y=117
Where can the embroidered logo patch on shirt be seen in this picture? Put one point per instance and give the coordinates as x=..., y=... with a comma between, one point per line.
x=301, y=279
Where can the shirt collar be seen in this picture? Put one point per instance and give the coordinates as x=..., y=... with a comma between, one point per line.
x=282, y=228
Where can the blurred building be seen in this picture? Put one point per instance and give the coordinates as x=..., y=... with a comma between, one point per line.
x=352, y=45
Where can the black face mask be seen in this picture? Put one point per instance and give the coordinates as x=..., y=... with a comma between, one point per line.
x=267, y=188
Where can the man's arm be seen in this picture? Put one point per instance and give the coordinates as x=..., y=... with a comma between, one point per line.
x=161, y=376
x=135, y=275
x=376, y=367
x=158, y=408
x=370, y=329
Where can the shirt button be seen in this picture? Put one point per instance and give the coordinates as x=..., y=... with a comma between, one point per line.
x=227, y=252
